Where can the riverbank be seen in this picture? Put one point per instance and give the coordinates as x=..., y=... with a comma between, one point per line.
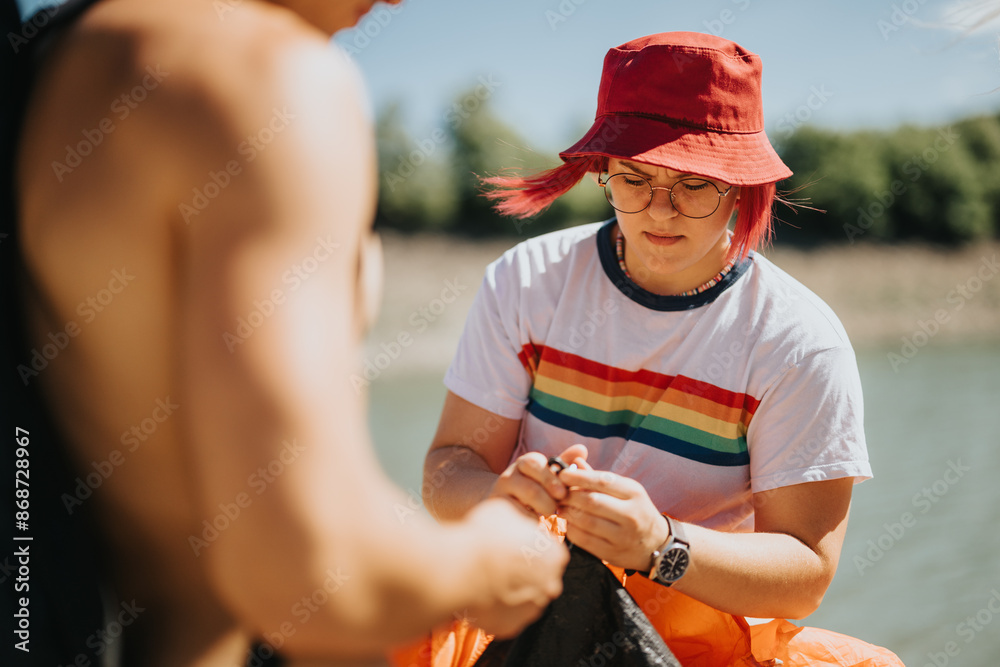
x=884, y=295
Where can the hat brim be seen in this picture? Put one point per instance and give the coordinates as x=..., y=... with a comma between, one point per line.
x=735, y=158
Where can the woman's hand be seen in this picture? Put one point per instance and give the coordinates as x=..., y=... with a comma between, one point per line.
x=612, y=517
x=530, y=484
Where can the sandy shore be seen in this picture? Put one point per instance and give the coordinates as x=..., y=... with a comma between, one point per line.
x=881, y=294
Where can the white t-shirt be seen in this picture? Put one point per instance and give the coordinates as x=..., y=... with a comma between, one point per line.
x=749, y=386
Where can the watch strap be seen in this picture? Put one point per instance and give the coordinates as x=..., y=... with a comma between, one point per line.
x=677, y=533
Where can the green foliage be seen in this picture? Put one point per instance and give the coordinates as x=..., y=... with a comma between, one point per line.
x=934, y=184
x=482, y=146
x=434, y=183
x=417, y=190
x=838, y=173
x=982, y=137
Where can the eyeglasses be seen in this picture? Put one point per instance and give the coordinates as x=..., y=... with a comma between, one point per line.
x=692, y=197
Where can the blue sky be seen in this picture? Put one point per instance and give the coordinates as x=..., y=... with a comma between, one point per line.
x=843, y=65
x=860, y=63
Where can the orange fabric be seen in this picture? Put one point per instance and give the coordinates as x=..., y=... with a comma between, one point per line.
x=702, y=636
x=813, y=647
x=414, y=655
x=457, y=644
x=697, y=634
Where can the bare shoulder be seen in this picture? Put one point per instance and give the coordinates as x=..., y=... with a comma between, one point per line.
x=170, y=101
x=185, y=82
x=226, y=69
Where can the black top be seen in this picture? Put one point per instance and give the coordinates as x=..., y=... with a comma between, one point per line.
x=62, y=582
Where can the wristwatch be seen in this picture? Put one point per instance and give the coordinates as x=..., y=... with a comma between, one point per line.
x=671, y=561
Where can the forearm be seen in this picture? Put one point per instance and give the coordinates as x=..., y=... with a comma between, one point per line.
x=755, y=574
x=455, y=480
x=353, y=584
x=783, y=570
x=415, y=574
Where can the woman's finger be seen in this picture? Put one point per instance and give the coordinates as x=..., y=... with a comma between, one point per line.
x=599, y=505
x=595, y=517
x=600, y=481
x=535, y=467
x=593, y=542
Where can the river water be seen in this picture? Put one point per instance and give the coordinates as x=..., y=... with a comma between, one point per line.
x=920, y=568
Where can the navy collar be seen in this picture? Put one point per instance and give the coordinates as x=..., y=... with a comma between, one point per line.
x=609, y=261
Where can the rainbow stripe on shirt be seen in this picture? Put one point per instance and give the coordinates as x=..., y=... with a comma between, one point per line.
x=674, y=413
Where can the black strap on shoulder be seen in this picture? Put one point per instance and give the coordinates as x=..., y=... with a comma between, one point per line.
x=50, y=560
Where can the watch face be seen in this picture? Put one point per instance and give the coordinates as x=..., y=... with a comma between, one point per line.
x=673, y=564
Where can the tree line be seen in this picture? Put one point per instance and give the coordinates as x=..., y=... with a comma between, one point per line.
x=933, y=184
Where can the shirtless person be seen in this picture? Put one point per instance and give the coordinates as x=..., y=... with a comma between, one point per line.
x=196, y=183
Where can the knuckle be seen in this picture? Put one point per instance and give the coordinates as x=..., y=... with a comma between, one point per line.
x=540, y=500
x=532, y=466
x=574, y=513
x=606, y=479
x=582, y=521
x=532, y=460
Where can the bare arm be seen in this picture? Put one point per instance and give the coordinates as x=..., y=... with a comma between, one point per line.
x=277, y=418
x=468, y=462
x=781, y=570
x=468, y=453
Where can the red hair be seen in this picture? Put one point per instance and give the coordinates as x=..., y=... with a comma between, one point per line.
x=525, y=196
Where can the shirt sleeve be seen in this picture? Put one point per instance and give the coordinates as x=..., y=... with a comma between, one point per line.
x=487, y=369
x=809, y=425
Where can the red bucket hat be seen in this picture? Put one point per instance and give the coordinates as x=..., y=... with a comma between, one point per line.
x=686, y=101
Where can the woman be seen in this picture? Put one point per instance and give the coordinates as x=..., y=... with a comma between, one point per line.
x=712, y=403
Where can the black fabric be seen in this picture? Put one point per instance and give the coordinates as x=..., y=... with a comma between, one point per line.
x=62, y=581
x=262, y=655
x=609, y=262
x=594, y=623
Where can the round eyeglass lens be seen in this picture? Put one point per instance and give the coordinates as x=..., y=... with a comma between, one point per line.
x=692, y=197
x=627, y=193
x=695, y=197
